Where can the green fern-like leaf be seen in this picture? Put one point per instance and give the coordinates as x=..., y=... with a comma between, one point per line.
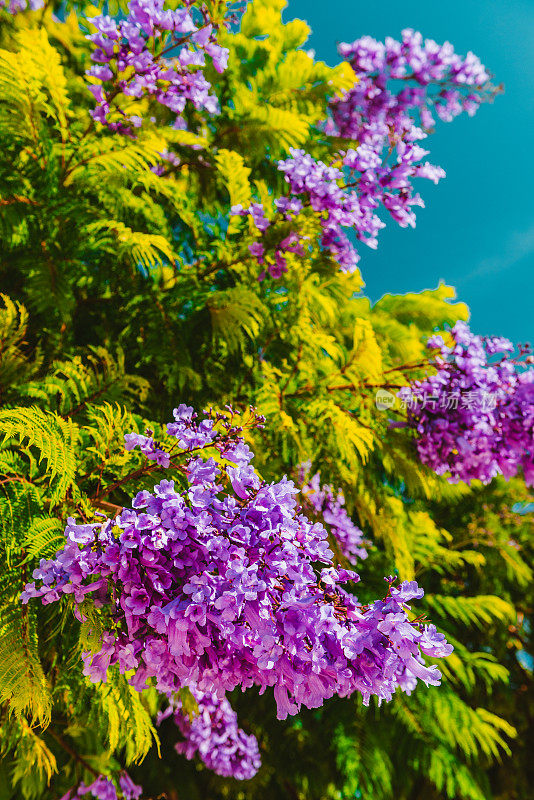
x=236, y=314
x=235, y=176
x=54, y=439
x=148, y=250
x=479, y=611
x=43, y=538
x=14, y=363
x=127, y=721
x=23, y=686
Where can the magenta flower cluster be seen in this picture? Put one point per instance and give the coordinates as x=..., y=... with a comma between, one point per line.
x=153, y=51
x=402, y=83
x=386, y=115
x=14, y=6
x=330, y=192
x=326, y=189
x=276, y=263
x=474, y=419
x=224, y=582
x=330, y=506
x=213, y=734
x=103, y=788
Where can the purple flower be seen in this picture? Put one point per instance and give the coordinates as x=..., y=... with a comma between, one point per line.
x=330, y=506
x=214, y=735
x=474, y=419
x=14, y=6
x=126, y=63
x=226, y=582
x=130, y=790
x=104, y=789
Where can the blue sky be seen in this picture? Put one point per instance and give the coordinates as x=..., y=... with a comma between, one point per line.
x=477, y=230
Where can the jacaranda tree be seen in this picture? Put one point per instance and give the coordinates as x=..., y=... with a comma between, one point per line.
x=314, y=581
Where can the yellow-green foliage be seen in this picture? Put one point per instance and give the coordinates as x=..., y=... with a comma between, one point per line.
x=54, y=462
x=130, y=288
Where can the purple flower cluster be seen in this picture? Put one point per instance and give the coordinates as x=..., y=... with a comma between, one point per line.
x=331, y=508
x=225, y=582
x=347, y=196
x=104, y=789
x=275, y=264
x=326, y=189
x=148, y=447
x=344, y=197
x=390, y=110
x=386, y=115
x=456, y=433
x=14, y=6
x=214, y=735
x=168, y=161
x=401, y=83
x=153, y=51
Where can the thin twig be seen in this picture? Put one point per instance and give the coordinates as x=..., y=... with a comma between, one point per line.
x=70, y=750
